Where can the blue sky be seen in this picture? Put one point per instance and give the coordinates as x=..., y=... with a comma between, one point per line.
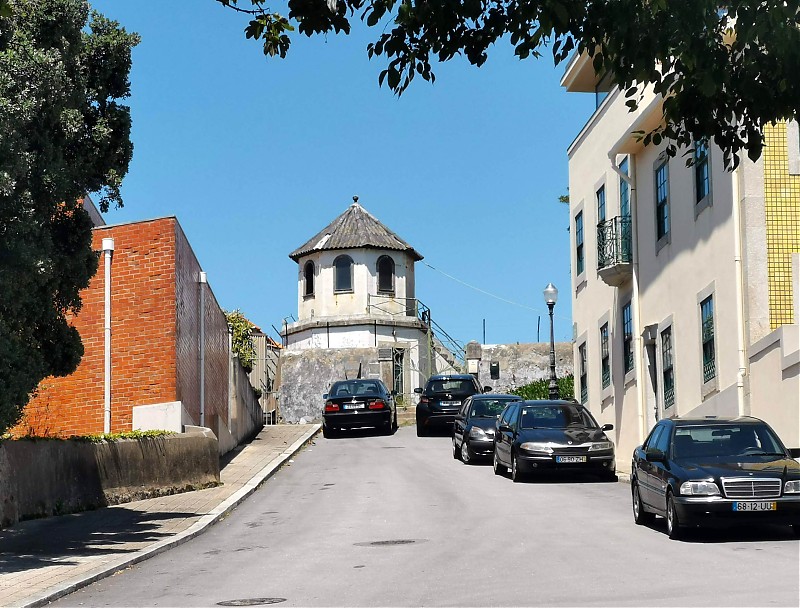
x=254, y=156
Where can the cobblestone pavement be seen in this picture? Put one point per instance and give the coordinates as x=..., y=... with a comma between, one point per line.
x=44, y=559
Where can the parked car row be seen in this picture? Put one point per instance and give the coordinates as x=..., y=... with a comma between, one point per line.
x=708, y=471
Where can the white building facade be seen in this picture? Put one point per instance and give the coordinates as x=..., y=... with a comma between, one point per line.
x=684, y=279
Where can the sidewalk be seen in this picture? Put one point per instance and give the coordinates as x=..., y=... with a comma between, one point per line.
x=45, y=559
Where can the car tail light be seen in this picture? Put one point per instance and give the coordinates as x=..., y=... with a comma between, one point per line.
x=424, y=400
x=330, y=406
x=376, y=405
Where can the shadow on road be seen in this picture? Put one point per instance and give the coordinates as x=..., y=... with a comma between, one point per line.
x=733, y=534
x=44, y=542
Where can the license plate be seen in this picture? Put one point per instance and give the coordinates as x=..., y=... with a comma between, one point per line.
x=451, y=403
x=755, y=506
x=353, y=406
x=570, y=459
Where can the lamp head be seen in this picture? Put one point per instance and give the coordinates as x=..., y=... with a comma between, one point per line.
x=550, y=294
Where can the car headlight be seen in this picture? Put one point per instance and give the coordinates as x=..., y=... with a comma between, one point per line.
x=598, y=446
x=699, y=488
x=477, y=432
x=536, y=446
x=792, y=487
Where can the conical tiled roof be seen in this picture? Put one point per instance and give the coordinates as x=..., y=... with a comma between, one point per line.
x=355, y=228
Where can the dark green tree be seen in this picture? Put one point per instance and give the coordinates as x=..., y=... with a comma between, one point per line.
x=63, y=134
x=725, y=69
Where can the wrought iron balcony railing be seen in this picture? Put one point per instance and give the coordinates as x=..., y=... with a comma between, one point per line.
x=614, y=242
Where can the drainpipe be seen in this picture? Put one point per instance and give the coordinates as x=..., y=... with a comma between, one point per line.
x=108, y=253
x=637, y=338
x=203, y=283
x=737, y=261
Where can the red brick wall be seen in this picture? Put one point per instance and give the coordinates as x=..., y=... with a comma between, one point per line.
x=187, y=289
x=143, y=354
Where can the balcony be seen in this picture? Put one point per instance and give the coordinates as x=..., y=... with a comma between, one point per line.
x=614, y=251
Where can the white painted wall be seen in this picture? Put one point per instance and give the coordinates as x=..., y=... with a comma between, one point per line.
x=169, y=416
x=326, y=303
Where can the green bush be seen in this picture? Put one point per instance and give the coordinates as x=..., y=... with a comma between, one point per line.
x=539, y=389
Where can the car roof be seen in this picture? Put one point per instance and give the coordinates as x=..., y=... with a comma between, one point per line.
x=354, y=380
x=446, y=376
x=530, y=402
x=496, y=396
x=711, y=420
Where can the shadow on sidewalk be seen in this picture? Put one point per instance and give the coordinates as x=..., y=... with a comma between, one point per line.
x=59, y=540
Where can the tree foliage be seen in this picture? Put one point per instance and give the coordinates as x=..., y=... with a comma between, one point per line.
x=63, y=134
x=540, y=389
x=242, y=339
x=715, y=84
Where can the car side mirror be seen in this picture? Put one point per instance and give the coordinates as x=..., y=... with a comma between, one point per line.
x=607, y=427
x=487, y=389
x=654, y=455
x=418, y=390
x=794, y=452
x=504, y=428
x=394, y=393
x=324, y=395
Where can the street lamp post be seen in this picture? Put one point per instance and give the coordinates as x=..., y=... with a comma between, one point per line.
x=551, y=296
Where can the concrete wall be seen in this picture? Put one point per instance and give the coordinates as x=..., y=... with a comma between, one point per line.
x=245, y=416
x=39, y=478
x=522, y=364
x=306, y=375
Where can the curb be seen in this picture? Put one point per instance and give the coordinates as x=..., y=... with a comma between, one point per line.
x=222, y=510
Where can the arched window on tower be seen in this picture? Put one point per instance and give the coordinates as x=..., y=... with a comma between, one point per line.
x=308, y=279
x=385, y=274
x=343, y=273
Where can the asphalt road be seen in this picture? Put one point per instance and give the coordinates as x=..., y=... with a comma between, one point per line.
x=367, y=520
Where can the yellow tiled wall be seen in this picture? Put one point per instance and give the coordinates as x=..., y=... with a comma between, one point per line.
x=782, y=206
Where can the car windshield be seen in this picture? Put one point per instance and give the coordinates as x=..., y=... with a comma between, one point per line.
x=488, y=408
x=452, y=385
x=555, y=417
x=725, y=442
x=354, y=388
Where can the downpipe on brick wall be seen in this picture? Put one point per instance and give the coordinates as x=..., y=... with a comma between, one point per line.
x=108, y=251
x=203, y=282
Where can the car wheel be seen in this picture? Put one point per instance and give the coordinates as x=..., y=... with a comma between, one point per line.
x=499, y=469
x=395, y=426
x=640, y=516
x=516, y=474
x=466, y=454
x=673, y=524
x=456, y=451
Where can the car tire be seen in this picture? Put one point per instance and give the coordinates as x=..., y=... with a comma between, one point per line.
x=516, y=474
x=456, y=451
x=466, y=453
x=387, y=428
x=421, y=430
x=640, y=516
x=674, y=530
x=499, y=469
x=395, y=426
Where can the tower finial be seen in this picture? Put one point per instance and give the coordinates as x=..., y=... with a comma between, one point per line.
x=355, y=200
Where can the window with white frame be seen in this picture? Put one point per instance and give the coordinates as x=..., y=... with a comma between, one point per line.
x=343, y=273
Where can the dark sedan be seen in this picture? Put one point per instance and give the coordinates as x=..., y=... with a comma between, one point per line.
x=535, y=436
x=715, y=471
x=474, y=427
x=359, y=403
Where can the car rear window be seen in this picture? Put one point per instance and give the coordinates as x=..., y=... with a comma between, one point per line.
x=455, y=385
x=354, y=388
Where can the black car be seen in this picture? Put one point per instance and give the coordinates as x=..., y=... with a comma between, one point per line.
x=441, y=399
x=715, y=471
x=474, y=426
x=535, y=436
x=358, y=403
